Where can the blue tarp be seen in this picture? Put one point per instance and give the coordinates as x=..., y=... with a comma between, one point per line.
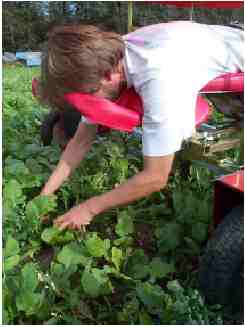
x=31, y=58
x=21, y=55
x=9, y=57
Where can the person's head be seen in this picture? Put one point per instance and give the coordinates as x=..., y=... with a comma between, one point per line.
x=81, y=58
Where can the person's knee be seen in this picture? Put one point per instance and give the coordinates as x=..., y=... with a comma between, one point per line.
x=59, y=136
x=47, y=127
x=60, y=127
x=70, y=119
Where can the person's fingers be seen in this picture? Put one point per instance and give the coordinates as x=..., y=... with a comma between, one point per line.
x=60, y=221
x=66, y=221
x=74, y=226
x=78, y=226
x=64, y=225
x=57, y=224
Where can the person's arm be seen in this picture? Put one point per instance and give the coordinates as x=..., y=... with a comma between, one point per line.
x=73, y=154
x=166, y=122
x=151, y=179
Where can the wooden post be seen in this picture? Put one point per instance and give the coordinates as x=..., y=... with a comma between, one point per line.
x=130, y=16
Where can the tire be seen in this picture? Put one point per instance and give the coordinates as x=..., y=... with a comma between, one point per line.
x=221, y=266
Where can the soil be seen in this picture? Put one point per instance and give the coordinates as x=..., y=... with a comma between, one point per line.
x=144, y=238
x=45, y=256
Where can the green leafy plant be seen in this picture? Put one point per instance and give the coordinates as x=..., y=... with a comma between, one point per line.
x=134, y=265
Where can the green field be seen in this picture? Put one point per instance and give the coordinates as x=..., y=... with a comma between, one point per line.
x=134, y=265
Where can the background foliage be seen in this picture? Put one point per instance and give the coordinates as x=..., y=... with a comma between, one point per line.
x=25, y=23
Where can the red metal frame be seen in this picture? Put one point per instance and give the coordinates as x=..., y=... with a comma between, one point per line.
x=228, y=193
x=202, y=4
x=229, y=82
x=234, y=181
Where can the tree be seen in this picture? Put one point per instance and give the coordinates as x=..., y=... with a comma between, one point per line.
x=25, y=23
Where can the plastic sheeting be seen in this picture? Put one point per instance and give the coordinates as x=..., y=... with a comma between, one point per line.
x=32, y=58
x=9, y=57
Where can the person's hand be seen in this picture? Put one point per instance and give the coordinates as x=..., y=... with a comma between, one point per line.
x=76, y=218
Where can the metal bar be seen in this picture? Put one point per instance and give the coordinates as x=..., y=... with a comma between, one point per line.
x=223, y=145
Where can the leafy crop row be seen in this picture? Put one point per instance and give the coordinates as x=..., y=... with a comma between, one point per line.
x=133, y=265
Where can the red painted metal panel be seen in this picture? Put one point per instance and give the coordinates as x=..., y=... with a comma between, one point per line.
x=235, y=180
x=104, y=112
x=232, y=82
x=203, y=111
x=202, y=4
x=228, y=193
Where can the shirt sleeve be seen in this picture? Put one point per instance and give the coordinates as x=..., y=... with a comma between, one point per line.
x=169, y=116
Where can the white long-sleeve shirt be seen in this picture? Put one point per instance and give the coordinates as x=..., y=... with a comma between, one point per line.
x=168, y=64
